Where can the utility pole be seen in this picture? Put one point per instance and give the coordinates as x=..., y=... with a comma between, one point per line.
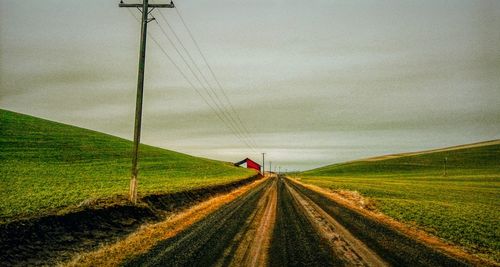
x=145, y=9
x=263, y=165
x=270, y=169
x=445, y=161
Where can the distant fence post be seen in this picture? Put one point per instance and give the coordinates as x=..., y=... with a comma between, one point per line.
x=444, y=167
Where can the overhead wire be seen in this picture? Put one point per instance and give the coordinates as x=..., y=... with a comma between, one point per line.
x=236, y=118
x=219, y=106
x=192, y=85
x=177, y=10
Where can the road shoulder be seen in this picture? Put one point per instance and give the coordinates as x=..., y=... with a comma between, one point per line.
x=398, y=229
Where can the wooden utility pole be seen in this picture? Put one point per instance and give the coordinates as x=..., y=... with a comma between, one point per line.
x=145, y=9
x=444, y=167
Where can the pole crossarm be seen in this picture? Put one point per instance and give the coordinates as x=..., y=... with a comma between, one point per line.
x=171, y=5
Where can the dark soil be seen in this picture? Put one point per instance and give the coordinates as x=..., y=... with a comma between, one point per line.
x=294, y=241
x=54, y=238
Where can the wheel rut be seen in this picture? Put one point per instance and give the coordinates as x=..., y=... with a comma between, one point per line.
x=252, y=250
x=294, y=241
x=342, y=243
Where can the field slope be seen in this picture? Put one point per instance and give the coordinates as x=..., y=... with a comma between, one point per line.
x=45, y=166
x=461, y=207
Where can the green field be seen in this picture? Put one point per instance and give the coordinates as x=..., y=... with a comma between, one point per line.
x=462, y=207
x=45, y=166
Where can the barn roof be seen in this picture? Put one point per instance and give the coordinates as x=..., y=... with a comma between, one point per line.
x=244, y=161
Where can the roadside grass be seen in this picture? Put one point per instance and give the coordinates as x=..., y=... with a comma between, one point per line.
x=46, y=166
x=462, y=207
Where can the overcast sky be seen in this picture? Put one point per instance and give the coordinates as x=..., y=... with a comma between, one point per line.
x=315, y=82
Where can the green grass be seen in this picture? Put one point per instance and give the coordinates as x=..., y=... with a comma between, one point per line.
x=462, y=207
x=46, y=166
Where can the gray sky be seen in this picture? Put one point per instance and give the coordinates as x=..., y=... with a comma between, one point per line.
x=316, y=82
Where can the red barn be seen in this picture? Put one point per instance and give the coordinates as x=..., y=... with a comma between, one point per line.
x=250, y=164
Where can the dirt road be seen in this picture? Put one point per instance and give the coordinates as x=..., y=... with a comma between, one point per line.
x=281, y=223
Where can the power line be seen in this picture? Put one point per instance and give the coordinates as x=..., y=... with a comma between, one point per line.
x=221, y=88
x=236, y=121
x=214, y=109
x=219, y=106
x=194, y=87
x=213, y=74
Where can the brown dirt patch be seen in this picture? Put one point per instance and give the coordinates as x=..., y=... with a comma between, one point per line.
x=355, y=198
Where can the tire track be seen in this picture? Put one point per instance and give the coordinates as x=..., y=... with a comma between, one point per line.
x=252, y=250
x=343, y=244
x=294, y=241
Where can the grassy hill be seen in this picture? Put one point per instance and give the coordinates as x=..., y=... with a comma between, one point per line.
x=462, y=207
x=46, y=165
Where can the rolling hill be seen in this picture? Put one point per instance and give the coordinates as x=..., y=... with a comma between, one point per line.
x=46, y=166
x=460, y=206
